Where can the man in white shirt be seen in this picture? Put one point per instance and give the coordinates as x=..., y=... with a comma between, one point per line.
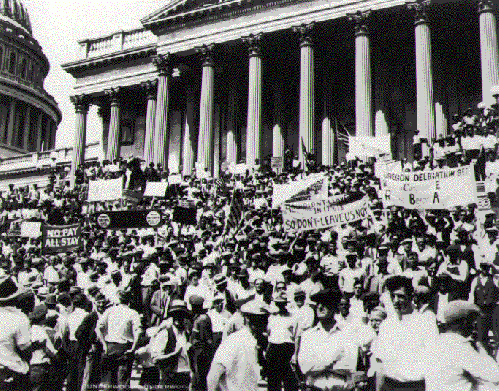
x=238, y=361
x=118, y=329
x=405, y=341
x=15, y=339
x=459, y=363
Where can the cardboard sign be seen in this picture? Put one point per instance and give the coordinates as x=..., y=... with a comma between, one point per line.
x=105, y=190
x=155, y=189
x=60, y=238
x=31, y=229
x=185, y=213
x=174, y=179
x=365, y=146
x=323, y=215
x=125, y=219
x=435, y=189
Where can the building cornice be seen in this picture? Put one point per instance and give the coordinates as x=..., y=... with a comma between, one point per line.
x=75, y=68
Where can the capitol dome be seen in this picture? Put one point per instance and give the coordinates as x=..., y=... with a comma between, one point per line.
x=29, y=116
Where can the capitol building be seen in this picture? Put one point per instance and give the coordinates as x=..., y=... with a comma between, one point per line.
x=29, y=116
x=204, y=83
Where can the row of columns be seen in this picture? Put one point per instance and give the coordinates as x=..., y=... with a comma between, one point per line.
x=156, y=138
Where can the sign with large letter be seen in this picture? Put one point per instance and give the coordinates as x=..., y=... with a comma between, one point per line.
x=60, y=238
x=436, y=189
x=323, y=214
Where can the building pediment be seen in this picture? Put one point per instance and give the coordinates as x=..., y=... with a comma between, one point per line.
x=182, y=10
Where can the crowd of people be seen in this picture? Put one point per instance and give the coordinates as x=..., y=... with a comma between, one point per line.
x=403, y=300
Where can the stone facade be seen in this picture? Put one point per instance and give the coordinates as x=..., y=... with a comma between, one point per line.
x=231, y=81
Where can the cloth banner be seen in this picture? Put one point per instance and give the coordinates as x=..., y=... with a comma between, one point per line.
x=61, y=238
x=323, y=215
x=124, y=219
x=31, y=229
x=284, y=192
x=155, y=189
x=277, y=164
x=105, y=190
x=435, y=189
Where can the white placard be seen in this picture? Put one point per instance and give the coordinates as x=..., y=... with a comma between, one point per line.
x=105, y=190
x=155, y=189
x=31, y=229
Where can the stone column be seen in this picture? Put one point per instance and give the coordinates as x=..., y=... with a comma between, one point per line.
x=150, y=88
x=188, y=134
x=489, y=50
x=328, y=124
x=113, y=144
x=206, y=109
x=307, y=91
x=278, y=137
x=81, y=103
x=27, y=128
x=363, y=82
x=254, y=100
x=39, y=131
x=103, y=112
x=424, y=73
x=11, y=123
x=164, y=65
x=231, y=126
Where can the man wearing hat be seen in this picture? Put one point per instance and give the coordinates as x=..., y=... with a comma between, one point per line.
x=459, y=362
x=405, y=340
x=43, y=350
x=201, y=339
x=239, y=361
x=221, y=286
x=219, y=317
x=161, y=300
x=324, y=349
x=15, y=339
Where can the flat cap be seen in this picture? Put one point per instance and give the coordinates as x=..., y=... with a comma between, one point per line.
x=328, y=297
x=458, y=310
x=196, y=300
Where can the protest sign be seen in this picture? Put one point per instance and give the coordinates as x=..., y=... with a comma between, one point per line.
x=60, y=238
x=31, y=229
x=155, y=189
x=128, y=219
x=365, y=146
x=323, y=214
x=435, y=189
x=284, y=192
x=105, y=190
x=174, y=179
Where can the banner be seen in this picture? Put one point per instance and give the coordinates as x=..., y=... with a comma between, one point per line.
x=435, y=189
x=105, y=190
x=323, y=215
x=284, y=192
x=155, y=189
x=61, y=238
x=124, y=219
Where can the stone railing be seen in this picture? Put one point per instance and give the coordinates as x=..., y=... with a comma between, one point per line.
x=116, y=42
x=46, y=158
